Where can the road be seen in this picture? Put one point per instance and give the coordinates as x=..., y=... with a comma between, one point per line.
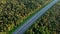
x=26, y=25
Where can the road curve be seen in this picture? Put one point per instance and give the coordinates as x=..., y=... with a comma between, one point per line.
x=26, y=25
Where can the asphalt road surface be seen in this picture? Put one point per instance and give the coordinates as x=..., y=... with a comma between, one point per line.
x=26, y=25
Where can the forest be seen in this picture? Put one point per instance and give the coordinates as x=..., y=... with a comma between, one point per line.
x=48, y=23
x=12, y=11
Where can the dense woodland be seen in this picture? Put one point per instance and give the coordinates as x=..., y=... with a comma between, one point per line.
x=49, y=23
x=13, y=10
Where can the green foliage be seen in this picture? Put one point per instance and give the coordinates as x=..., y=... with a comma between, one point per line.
x=49, y=23
x=13, y=10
